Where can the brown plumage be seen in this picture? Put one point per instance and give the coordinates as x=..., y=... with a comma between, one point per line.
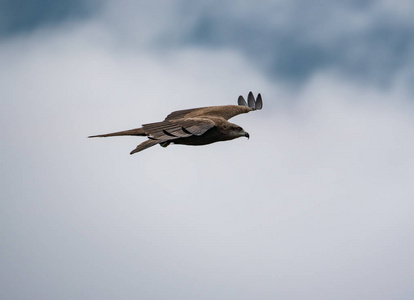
x=195, y=126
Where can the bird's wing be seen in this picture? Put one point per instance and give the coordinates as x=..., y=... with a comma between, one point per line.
x=169, y=130
x=137, y=132
x=180, y=128
x=225, y=111
x=180, y=114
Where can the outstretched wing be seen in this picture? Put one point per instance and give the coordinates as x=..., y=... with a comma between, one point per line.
x=174, y=129
x=136, y=131
x=169, y=130
x=225, y=111
x=180, y=114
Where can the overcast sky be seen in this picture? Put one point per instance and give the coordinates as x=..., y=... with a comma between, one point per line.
x=317, y=204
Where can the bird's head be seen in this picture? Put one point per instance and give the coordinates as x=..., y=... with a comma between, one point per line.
x=234, y=131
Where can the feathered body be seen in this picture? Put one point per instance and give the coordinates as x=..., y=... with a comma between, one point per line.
x=195, y=126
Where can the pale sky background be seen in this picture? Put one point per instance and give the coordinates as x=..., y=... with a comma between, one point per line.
x=318, y=204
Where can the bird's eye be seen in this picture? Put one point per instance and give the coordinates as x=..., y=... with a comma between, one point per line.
x=239, y=129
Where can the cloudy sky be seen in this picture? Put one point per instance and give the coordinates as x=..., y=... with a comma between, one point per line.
x=318, y=204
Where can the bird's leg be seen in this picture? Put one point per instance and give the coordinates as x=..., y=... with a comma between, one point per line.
x=164, y=144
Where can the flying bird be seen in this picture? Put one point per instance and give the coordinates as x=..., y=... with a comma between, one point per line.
x=194, y=126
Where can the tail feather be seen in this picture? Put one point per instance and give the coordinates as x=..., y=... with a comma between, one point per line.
x=136, y=132
x=145, y=145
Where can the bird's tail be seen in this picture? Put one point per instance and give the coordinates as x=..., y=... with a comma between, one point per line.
x=136, y=132
x=145, y=145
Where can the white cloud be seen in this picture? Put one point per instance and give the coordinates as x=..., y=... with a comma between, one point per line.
x=316, y=204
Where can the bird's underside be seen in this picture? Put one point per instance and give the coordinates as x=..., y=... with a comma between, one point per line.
x=195, y=126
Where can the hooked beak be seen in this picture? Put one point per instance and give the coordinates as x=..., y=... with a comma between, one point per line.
x=246, y=134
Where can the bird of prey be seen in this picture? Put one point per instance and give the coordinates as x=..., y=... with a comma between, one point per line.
x=195, y=126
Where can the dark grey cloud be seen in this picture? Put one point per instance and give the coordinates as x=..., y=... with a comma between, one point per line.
x=21, y=15
x=294, y=39
x=370, y=41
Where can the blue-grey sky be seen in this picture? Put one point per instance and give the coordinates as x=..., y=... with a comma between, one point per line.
x=290, y=40
x=318, y=204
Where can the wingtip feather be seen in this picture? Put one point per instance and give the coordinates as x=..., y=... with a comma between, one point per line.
x=251, y=101
x=241, y=101
x=259, y=102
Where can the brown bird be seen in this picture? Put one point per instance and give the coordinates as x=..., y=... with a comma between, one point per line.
x=195, y=126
